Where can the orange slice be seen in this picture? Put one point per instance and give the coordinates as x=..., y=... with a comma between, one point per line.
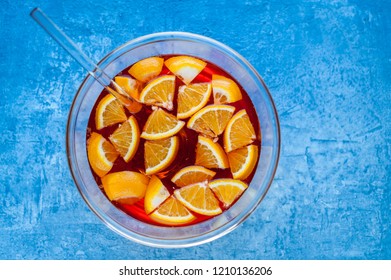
x=211, y=120
x=210, y=154
x=159, y=154
x=131, y=86
x=172, y=212
x=159, y=92
x=239, y=132
x=227, y=190
x=199, y=198
x=126, y=138
x=125, y=187
x=192, y=174
x=161, y=124
x=101, y=154
x=192, y=98
x=242, y=161
x=155, y=195
x=147, y=69
x=225, y=90
x=109, y=111
x=185, y=68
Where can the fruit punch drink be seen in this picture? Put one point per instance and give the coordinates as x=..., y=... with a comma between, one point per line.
x=190, y=151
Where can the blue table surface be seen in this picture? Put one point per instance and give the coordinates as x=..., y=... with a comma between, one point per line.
x=328, y=67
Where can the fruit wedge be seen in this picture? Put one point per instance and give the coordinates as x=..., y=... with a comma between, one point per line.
x=159, y=154
x=199, y=198
x=225, y=90
x=147, y=69
x=192, y=98
x=242, y=161
x=172, y=212
x=239, y=132
x=192, y=174
x=125, y=187
x=109, y=111
x=161, y=124
x=101, y=154
x=185, y=68
x=159, y=92
x=155, y=195
x=210, y=154
x=126, y=138
x=211, y=120
x=131, y=86
x=227, y=190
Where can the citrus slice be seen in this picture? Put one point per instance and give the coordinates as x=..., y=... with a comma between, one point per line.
x=155, y=195
x=131, y=86
x=125, y=187
x=211, y=120
x=159, y=92
x=146, y=69
x=199, y=198
x=192, y=98
x=239, y=132
x=172, y=212
x=192, y=174
x=210, y=154
x=184, y=67
x=109, y=111
x=159, y=154
x=227, y=190
x=126, y=138
x=101, y=154
x=161, y=124
x=242, y=161
x=225, y=90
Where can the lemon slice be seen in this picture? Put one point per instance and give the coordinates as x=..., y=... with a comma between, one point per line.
x=225, y=90
x=211, y=120
x=227, y=190
x=108, y=112
x=159, y=154
x=242, y=161
x=147, y=69
x=126, y=138
x=185, y=68
x=239, y=132
x=159, y=92
x=161, y=124
x=101, y=154
x=198, y=198
x=172, y=212
x=125, y=187
x=192, y=98
x=192, y=174
x=210, y=154
x=155, y=195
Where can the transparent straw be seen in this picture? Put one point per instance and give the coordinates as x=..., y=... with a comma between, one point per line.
x=94, y=70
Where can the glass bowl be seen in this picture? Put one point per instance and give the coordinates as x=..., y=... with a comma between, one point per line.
x=165, y=44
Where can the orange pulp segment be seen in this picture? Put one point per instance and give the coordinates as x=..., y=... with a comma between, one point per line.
x=225, y=90
x=227, y=190
x=211, y=120
x=159, y=154
x=161, y=124
x=239, y=132
x=159, y=92
x=108, y=112
x=184, y=67
x=192, y=98
x=101, y=154
x=198, y=198
x=210, y=154
x=192, y=174
x=155, y=195
x=242, y=161
x=125, y=187
x=146, y=69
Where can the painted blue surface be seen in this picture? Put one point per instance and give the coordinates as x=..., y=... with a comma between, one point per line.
x=328, y=67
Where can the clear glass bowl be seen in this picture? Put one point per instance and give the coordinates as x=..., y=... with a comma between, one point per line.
x=164, y=44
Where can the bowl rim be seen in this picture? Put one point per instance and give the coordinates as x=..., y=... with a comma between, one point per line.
x=223, y=229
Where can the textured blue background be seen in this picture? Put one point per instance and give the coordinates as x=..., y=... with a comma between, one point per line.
x=328, y=67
